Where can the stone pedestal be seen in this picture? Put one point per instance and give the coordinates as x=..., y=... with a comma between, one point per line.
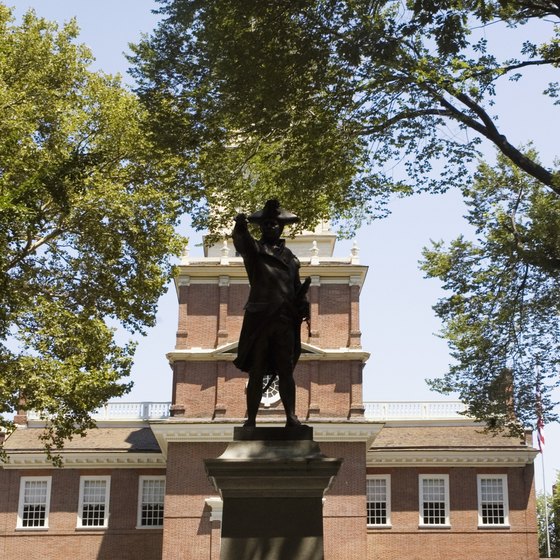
x=272, y=482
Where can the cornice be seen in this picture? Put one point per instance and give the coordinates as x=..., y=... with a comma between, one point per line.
x=209, y=271
x=187, y=431
x=225, y=354
x=90, y=459
x=493, y=457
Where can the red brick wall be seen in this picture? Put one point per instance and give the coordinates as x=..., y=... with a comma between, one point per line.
x=464, y=540
x=121, y=540
x=202, y=308
x=187, y=528
x=344, y=513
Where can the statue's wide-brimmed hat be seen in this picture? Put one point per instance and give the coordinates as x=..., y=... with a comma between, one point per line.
x=273, y=211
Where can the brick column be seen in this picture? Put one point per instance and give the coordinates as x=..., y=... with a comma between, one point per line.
x=223, y=283
x=354, y=339
x=183, y=284
x=314, y=309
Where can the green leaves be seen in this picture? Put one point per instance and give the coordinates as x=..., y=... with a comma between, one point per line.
x=88, y=206
x=501, y=316
x=347, y=102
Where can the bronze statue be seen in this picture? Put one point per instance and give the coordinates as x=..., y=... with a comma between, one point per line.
x=270, y=341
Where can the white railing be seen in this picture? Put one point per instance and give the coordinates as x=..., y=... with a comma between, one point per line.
x=124, y=411
x=376, y=410
x=413, y=410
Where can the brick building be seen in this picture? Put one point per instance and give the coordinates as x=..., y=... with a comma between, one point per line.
x=418, y=480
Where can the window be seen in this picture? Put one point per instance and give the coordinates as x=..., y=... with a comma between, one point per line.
x=151, y=494
x=492, y=500
x=378, y=492
x=434, y=499
x=34, y=501
x=93, y=508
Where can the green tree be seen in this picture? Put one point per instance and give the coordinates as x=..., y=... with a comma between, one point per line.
x=88, y=207
x=501, y=317
x=334, y=106
x=553, y=504
x=316, y=101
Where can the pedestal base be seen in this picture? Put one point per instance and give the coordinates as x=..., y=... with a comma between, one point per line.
x=272, y=482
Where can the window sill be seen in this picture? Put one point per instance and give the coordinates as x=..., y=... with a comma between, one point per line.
x=494, y=527
x=382, y=527
x=96, y=528
x=32, y=529
x=435, y=527
x=149, y=527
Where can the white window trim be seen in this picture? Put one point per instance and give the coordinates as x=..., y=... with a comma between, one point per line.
x=23, y=480
x=503, y=478
x=387, y=478
x=83, y=479
x=421, y=522
x=139, y=511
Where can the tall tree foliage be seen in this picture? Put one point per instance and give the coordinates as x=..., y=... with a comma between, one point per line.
x=334, y=106
x=318, y=100
x=501, y=317
x=88, y=207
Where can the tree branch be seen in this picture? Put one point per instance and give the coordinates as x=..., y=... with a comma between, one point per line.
x=31, y=247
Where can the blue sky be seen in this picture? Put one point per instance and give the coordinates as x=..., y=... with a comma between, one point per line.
x=397, y=321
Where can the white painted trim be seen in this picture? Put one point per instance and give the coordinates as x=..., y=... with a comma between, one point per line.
x=141, y=480
x=505, y=491
x=22, y=484
x=224, y=353
x=86, y=460
x=179, y=431
x=493, y=457
x=216, y=506
x=421, y=479
x=83, y=480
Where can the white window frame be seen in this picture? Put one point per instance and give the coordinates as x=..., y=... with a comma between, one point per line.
x=387, y=479
x=83, y=480
x=22, y=484
x=505, y=491
x=445, y=478
x=141, y=480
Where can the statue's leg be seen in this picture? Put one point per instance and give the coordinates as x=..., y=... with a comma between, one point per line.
x=287, y=387
x=254, y=396
x=256, y=375
x=284, y=352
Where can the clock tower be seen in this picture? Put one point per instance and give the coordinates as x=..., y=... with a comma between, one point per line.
x=208, y=398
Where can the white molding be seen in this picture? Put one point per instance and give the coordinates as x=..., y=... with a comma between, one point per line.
x=330, y=270
x=86, y=460
x=224, y=353
x=491, y=457
x=216, y=505
x=181, y=431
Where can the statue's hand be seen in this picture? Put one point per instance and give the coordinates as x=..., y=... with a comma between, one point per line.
x=304, y=309
x=241, y=220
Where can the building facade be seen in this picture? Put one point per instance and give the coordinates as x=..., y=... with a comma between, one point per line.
x=417, y=481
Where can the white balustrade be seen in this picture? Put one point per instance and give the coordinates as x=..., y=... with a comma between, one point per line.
x=374, y=410
x=414, y=410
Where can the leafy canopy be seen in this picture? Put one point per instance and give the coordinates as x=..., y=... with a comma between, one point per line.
x=331, y=105
x=88, y=206
x=501, y=317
